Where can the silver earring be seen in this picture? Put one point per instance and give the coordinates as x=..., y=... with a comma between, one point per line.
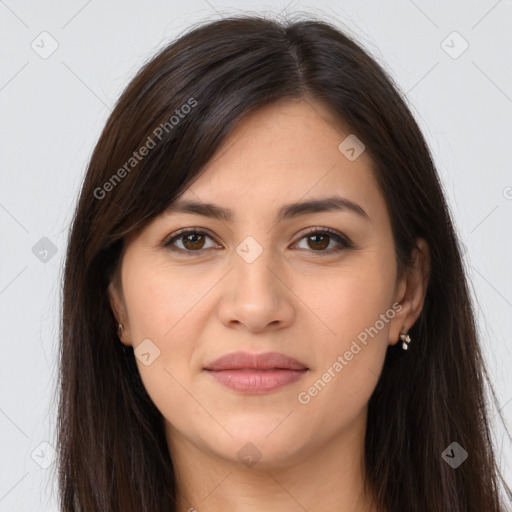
x=120, y=330
x=405, y=339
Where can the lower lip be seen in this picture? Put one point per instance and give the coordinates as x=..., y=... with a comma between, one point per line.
x=256, y=381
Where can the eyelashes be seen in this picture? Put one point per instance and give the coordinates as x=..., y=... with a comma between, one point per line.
x=320, y=238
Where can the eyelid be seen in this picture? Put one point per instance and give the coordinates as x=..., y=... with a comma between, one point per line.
x=182, y=231
x=176, y=235
x=343, y=240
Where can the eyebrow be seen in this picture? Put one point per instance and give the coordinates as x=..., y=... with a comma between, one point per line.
x=288, y=211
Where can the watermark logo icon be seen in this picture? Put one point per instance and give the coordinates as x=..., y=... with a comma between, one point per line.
x=43, y=455
x=146, y=352
x=44, y=45
x=454, y=455
x=249, y=249
x=351, y=147
x=44, y=250
x=454, y=45
x=249, y=455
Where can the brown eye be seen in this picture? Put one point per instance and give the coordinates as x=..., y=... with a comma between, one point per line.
x=188, y=241
x=193, y=241
x=318, y=240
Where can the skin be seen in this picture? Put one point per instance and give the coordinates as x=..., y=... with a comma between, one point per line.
x=293, y=299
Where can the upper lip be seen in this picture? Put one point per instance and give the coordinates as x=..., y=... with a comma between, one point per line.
x=262, y=361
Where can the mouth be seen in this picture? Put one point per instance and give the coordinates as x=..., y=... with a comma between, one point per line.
x=256, y=373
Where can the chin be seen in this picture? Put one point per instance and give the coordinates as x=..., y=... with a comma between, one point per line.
x=253, y=446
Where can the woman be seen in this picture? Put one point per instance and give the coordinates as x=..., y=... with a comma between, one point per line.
x=264, y=302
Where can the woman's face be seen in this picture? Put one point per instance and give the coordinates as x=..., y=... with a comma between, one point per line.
x=268, y=279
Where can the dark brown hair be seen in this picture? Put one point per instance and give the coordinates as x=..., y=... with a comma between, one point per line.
x=112, y=451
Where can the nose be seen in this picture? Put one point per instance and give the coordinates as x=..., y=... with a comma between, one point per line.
x=257, y=295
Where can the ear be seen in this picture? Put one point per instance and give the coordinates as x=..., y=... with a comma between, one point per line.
x=411, y=291
x=119, y=309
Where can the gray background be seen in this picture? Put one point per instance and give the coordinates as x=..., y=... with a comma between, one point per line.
x=53, y=110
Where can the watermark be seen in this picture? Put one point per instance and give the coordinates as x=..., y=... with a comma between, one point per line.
x=146, y=352
x=249, y=455
x=44, y=45
x=454, y=45
x=454, y=455
x=351, y=147
x=44, y=250
x=249, y=249
x=44, y=455
x=158, y=133
x=304, y=397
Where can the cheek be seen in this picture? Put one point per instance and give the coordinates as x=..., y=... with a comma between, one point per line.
x=351, y=300
x=166, y=305
x=357, y=310
x=157, y=300
x=161, y=311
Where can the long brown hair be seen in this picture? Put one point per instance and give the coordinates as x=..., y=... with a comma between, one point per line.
x=112, y=451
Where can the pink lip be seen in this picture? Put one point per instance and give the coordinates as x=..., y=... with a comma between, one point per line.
x=256, y=373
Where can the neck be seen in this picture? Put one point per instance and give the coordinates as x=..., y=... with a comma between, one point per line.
x=328, y=477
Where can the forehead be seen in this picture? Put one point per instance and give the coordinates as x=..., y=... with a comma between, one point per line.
x=284, y=153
